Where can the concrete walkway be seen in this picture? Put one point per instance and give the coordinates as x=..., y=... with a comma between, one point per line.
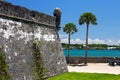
x=95, y=68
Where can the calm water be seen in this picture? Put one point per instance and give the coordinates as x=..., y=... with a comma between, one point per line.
x=93, y=53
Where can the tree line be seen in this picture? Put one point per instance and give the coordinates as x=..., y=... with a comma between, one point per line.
x=91, y=46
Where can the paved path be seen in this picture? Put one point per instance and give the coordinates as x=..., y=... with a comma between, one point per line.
x=95, y=68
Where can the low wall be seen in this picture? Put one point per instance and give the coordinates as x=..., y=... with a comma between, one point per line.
x=77, y=60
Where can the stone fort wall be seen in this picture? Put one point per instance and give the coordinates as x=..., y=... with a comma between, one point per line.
x=19, y=27
x=17, y=12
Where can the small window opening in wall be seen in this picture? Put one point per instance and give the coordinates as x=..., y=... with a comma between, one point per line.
x=32, y=14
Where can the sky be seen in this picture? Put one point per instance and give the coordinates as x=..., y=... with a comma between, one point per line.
x=107, y=13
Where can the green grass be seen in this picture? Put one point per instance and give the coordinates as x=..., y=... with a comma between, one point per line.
x=85, y=76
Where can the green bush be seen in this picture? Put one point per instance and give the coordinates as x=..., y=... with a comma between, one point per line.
x=4, y=73
x=39, y=70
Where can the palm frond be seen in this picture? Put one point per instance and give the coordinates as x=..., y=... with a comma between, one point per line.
x=70, y=28
x=88, y=18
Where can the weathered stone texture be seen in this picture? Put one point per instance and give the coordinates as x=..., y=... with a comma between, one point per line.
x=17, y=38
x=53, y=62
x=16, y=41
x=17, y=46
x=10, y=10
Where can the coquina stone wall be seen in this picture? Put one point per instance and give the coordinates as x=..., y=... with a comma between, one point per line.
x=19, y=27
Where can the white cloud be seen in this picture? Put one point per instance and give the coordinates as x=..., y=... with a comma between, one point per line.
x=79, y=41
x=110, y=42
x=64, y=40
x=91, y=41
x=72, y=41
x=118, y=42
x=95, y=41
x=62, y=36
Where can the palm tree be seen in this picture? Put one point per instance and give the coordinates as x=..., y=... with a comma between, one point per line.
x=87, y=18
x=69, y=28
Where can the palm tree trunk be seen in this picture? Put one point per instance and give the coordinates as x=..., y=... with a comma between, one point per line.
x=68, y=48
x=86, y=53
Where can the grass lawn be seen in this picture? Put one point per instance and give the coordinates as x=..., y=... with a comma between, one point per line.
x=85, y=76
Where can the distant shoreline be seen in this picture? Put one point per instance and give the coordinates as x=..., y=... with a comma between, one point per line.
x=91, y=46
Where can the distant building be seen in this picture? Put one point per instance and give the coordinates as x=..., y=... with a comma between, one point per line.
x=111, y=48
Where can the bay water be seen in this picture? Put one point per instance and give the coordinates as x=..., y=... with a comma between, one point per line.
x=93, y=53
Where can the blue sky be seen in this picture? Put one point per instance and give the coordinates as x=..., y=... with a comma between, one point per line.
x=106, y=11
